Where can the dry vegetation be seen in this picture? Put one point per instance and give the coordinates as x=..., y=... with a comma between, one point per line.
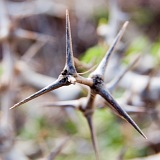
x=98, y=65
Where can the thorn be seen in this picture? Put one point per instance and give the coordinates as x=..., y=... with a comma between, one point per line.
x=125, y=25
x=69, y=51
x=116, y=107
x=100, y=70
x=93, y=136
x=50, y=87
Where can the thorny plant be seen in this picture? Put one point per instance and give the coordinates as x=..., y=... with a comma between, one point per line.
x=95, y=83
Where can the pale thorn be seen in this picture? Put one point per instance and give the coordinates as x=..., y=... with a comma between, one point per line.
x=44, y=90
x=100, y=70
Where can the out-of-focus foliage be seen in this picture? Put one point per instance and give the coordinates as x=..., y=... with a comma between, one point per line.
x=155, y=50
x=94, y=54
x=143, y=16
x=138, y=45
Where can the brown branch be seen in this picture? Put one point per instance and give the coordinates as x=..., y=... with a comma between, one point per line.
x=26, y=8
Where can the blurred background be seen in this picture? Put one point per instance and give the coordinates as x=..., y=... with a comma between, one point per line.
x=32, y=55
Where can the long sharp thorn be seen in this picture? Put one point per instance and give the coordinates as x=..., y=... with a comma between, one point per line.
x=50, y=87
x=100, y=70
x=93, y=136
x=112, y=85
x=69, y=51
x=116, y=107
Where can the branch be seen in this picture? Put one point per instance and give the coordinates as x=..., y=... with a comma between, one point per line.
x=26, y=8
x=76, y=104
x=22, y=33
x=5, y=22
x=28, y=55
x=93, y=135
x=6, y=100
x=138, y=84
x=95, y=82
x=57, y=150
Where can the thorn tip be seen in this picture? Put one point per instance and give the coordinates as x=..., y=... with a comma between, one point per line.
x=67, y=11
x=12, y=107
x=126, y=24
